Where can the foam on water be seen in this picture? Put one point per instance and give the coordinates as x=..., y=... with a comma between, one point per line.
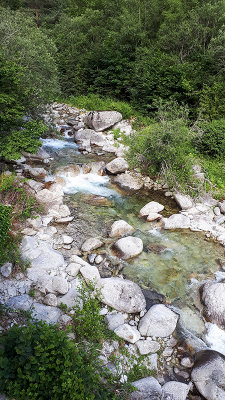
x=88, y=183
x=57, y=144
x=215, y=337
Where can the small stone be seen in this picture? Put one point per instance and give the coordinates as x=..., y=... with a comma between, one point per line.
x=177, y=390
x=129, y=247
x=128, y=333
x=91, y=244
x=152, y=207
x=50, y=300
x=67, y=239
x=60, y=285
x=153, y=217
x=217, y=211
x=120, y=228
x=187, y=362
x=168, y=352
x=6, y=269
x=91, y=258
x=65, y=320
x=99, y=259
x=73, y=269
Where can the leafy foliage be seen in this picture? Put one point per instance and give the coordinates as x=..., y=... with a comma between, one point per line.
x=211, y=142
x=38, y=361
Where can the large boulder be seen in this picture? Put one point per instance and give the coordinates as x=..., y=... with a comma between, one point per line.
x=176, y=221
x=129, y=182
x=51, y=196
x=183, y=201
x=123, y=295
x=151, y=207
x=213, y=298
x=129, y=247
x=159, y=321
x=37, y=173
x=146, y=389
x=208, y=374
x=120, y=228
x=117, y=166
x=101, y=120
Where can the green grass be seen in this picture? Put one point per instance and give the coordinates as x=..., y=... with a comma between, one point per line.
x=97, y=103
x=214, y=170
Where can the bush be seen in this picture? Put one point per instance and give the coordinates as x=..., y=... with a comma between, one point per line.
x=38, y=362
x=212, y=140
x=164, y=147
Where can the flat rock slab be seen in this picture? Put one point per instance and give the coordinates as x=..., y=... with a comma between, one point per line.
x=101, y=120
x=118, y=165
x=129, y=182
x=128, y=333
x=208, y=374
x=159, y=321
x=151, y=207
x=129, y=247
x=147, y=389
x=123, y=295
x=176, y=390
x=176, y=221
x=147, y=346
x=120, y=228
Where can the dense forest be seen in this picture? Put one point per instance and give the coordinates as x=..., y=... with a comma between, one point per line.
x=163, y=57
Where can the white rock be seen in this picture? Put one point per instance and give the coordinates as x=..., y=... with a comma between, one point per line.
x=73, y=269
x=146, y=389
x=90, y=273
x=213, y=298
x=50, y=300
x=183, y=201
x=176, y=221
x=159, y=321
x=99, y=259
x=91, y=244
x=123, y=295
x=60, y=285
x=128, y=333
x=129, y=247
x=222, y=206
x=71, y=298
x=147, y=346
x=67, y=239
x=6, y=269
x=120, y=228
x=101, y=120
x=117, y=166
x=130, y=182
x=177, y=390
x=153, y=217
x=114, y=320
x=152, y=207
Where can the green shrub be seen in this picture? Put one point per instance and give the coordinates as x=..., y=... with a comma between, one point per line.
x=164, y=147
x=88, y=323
x=39, y=362
x=212, y=140
x=5, y=225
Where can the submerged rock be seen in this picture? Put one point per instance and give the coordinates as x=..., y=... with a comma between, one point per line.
x=101, y=120
x=123, y=295
x=176, y=221
x=120, y=228
x=159, y=321
x=208, y=374
x=129, y=247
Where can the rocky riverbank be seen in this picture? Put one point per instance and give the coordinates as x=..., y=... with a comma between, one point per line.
x=184, y=366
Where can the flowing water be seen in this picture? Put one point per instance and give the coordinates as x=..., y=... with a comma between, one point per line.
x=172, y=263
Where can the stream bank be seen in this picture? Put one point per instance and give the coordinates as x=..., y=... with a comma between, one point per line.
x=83, y=202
